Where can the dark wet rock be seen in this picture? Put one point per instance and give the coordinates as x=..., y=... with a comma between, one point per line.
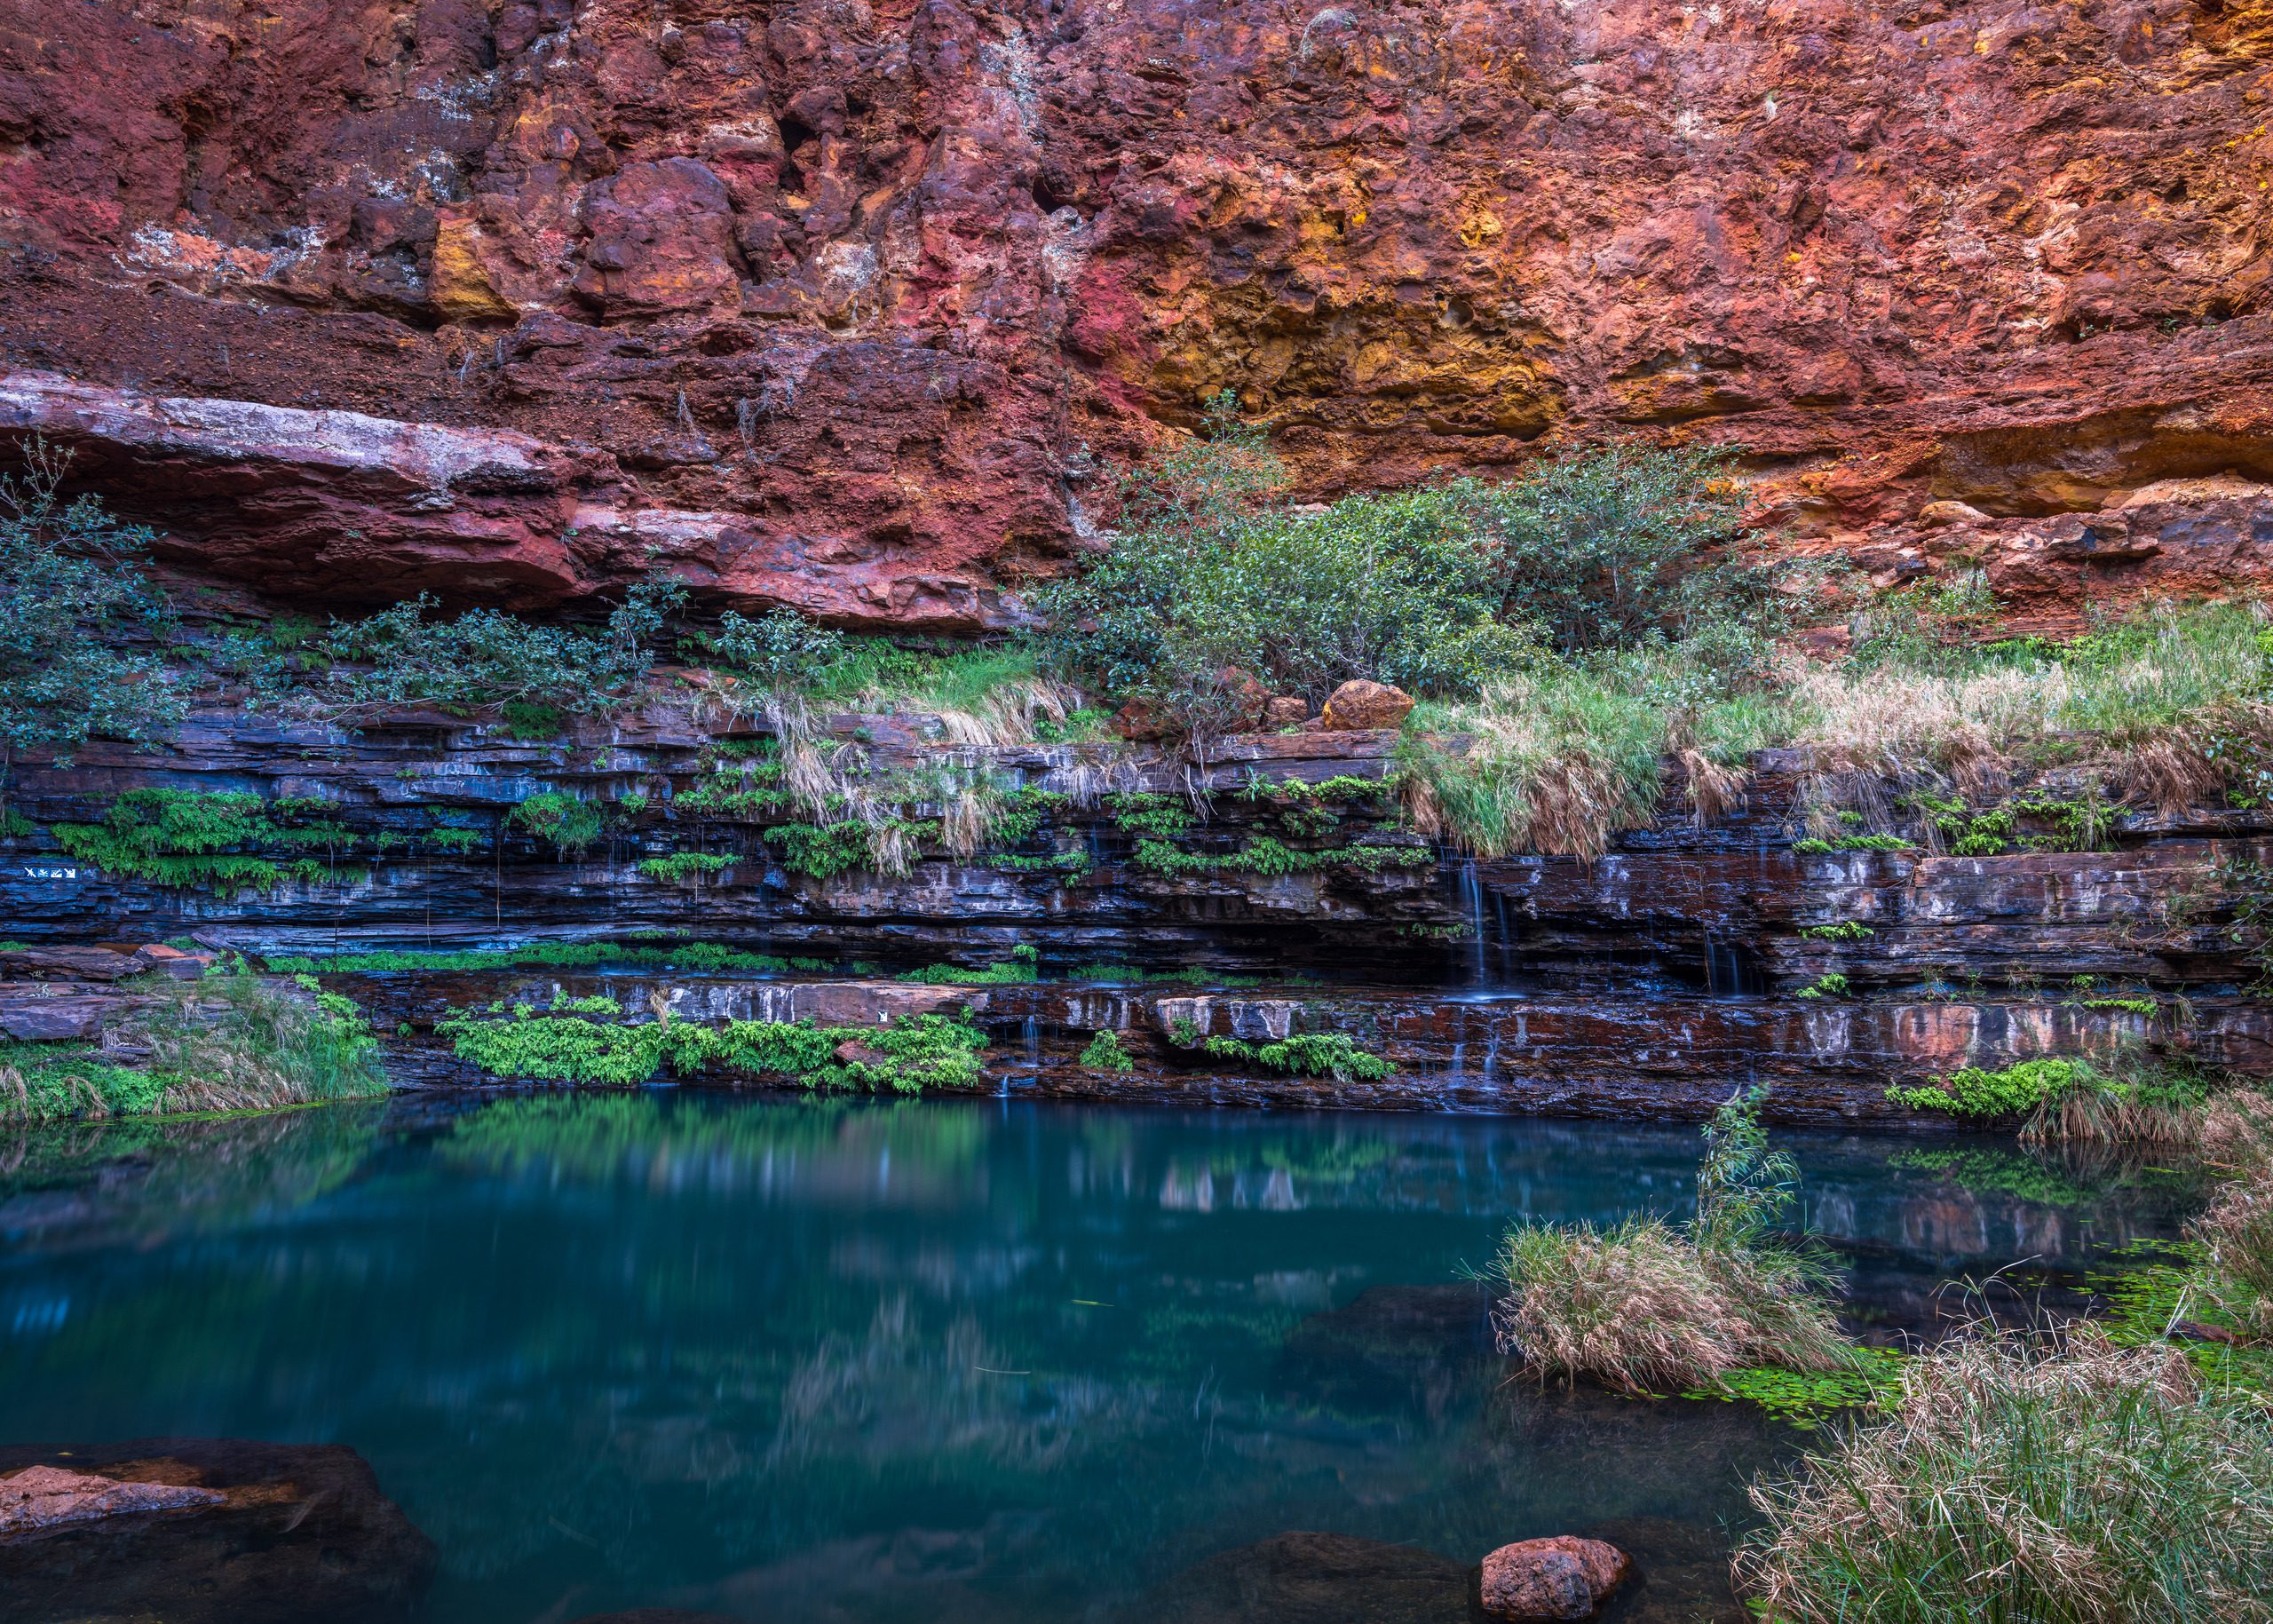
x=301, y=1531
x=1558, y=1577
x=78, y=964
x=43, y=1017
x=654, y=1615
x=1315, y=1578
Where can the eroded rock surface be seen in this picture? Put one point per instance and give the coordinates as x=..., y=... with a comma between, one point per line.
x=845, y=306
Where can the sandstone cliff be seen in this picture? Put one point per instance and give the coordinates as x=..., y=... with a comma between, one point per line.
x=847, y=303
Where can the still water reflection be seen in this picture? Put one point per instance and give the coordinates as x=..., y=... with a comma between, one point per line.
x=790, y=1359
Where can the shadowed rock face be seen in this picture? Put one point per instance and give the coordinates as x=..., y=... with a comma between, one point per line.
x=842, y=305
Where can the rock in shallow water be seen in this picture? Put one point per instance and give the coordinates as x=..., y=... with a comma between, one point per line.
x=203, y=1531
x=1560, y=1577
x=1314, y=1578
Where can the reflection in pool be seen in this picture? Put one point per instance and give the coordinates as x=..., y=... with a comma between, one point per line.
x=835, y=1359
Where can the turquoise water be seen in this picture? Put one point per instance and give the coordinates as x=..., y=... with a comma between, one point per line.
x=787, y=1358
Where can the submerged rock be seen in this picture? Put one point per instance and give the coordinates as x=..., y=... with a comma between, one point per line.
x=1560, y=1577
x=202, y=1531
x=42, y=1496
x=1315, y=1578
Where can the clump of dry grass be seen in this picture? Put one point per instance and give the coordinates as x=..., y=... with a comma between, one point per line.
x=1642, y=1308
x=237, y=1042
x=2055, y=1478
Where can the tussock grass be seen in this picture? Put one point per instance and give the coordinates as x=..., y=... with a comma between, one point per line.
x=2053, y=1478
x=2165, y=706
x=233, y=1042
x=1644, y=1307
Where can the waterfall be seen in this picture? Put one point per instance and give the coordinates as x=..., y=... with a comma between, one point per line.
x=1471, y=899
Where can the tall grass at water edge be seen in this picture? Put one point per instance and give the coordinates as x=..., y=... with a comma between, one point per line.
x=233, y=1042
x=2168, y=704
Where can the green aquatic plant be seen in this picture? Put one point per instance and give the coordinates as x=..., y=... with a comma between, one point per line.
x=1645, y=1307
x=1871, y=1379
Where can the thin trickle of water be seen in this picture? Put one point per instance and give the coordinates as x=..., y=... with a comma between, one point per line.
x=1471, y=899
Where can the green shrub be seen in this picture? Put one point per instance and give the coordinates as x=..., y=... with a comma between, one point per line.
x=1106, y=1053
x=911, y=1054
x=186, y=839
x=1328, y=1054
x=396, y=658
x=553, y=956
x=1832, y=985
x=2058, y=1479
x=75, y=586
x=571, y=824
x=2132, y=1099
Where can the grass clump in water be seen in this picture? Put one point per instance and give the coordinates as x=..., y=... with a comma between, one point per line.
x=233, y=1042
x=2057, y=1478
x=1645, y=1306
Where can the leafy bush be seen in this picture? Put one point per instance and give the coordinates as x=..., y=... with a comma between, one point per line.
x=911, y=1054
x=2132, y=1098
x=74, y=587
x=398, y=657
x=570, y=824
x=1106, y=1053
x=1441, y=589
x=184, y=837
x=1311, y=1054
x=551, y=956
x=2058, y=1479
x=680, y=866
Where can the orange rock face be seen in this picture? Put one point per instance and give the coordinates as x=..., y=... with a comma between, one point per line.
x=849, y=306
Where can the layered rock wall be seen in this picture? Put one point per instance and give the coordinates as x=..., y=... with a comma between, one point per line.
x=849, y=305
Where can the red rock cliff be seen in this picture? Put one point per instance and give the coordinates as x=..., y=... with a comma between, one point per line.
x=846, y=303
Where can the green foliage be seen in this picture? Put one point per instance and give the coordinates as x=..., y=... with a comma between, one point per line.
x=680, y=866
x=199, y=838
x=551, y=955
x=228, y=1042
x=1105, y=1053
x=1832, y=985
x=823, y=851
x=2061, y=824
x=572, y=825
x=1742, y=1186
x=1845, y=931
x=911, y=1054
x=1019, y=970
x=1872, y=1381
x=398, y=657
x=781, y=650
x=1187, y=975
x=2014, y=1090
x=1327, y=1054
x=74, y=587
x=1163, y=817
x=1272, y=859
x=2249, y=886
x=44, y=1082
